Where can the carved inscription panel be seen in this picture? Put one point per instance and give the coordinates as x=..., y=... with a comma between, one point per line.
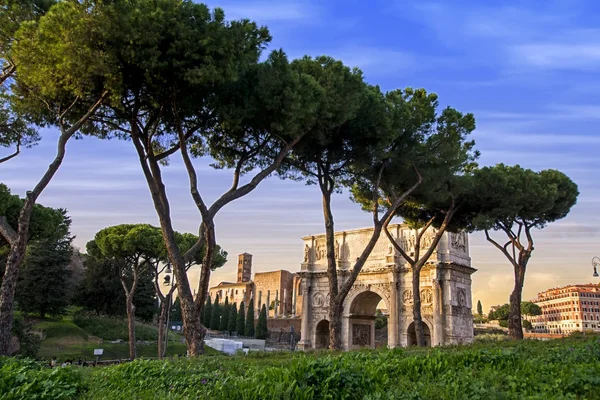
x=361, y=335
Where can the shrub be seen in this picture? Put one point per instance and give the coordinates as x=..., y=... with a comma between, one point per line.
x=262, y=331
x=26, y=379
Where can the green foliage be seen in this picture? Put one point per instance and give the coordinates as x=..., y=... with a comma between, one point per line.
x=109, y=328
x=498, y=369
x=101, y=291
x=503, y=323
x=240, y=326
x=527, y=324
x=500, y=313
x=262, y=331
x=491, y=338
x=527, y=308
x=512, y=194
x=46, y=223
x=207, y=315
x=56, y=329
x=215, y=316
x=62, y=68
x=479, y=308
x=43, y=286
x=381, y=320
x=530, y=309
x=231, y=326
x=29, y=342
x=27, y=379
x=249, y=328
x=224, y=315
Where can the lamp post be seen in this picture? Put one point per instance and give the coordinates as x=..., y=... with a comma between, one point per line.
x=168, y=282
x=595, y=264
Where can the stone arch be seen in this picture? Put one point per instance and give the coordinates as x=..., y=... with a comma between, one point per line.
x=411, y=335
x=355, y=292
x=322, y=335
x=360, y=314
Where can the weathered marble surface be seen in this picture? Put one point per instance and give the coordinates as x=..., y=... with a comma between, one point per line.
x=445, y=288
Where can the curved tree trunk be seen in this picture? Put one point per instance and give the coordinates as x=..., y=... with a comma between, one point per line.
x=131, y=326
x=192, y=329
x=515, y=327
x=417, y=319
x=210, y=241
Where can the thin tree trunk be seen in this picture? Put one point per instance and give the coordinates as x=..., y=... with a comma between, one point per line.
x=335, y=306
x=162, y=322
x=417, y=264
x=131, y=325
x=515, y=327
x=417, y=319
x=192, y=329
x=18, y=240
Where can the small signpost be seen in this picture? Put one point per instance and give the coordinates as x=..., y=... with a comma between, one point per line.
x=98, y=352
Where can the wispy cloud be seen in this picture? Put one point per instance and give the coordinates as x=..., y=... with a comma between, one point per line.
x=376, y=60
x=269, y=11
x=557, y=55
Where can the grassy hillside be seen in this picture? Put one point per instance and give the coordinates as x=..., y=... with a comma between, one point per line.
x=74, y=337
x=560, y=369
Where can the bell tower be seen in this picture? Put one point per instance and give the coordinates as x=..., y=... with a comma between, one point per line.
x=244, y=267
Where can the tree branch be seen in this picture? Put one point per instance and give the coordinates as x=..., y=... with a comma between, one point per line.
x=228, y=197
x=506, y=253
x=384, y=222
x=7, y=232
x=13, y=155
x=398, y=247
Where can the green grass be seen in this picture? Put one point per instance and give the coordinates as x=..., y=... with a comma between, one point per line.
x=561, y=369
x=62, y=328
x=109, y=328
x=70, y=338
x=65, y=348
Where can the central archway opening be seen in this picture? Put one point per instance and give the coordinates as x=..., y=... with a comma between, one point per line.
x=367, y=321
x=412, y=335
x=322, y=335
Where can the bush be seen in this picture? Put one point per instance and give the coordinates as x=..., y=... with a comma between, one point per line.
x=491, y=338
x=262, y=331
x=29, y=343
x=530, y=369
x=26, y=379
x=503, y=323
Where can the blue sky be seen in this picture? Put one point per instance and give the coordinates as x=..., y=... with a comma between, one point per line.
x=528, y=73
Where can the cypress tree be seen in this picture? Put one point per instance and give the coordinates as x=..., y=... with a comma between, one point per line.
x=207, y=312
x=215, y=318
x=479, y=308
x=249, y=330
x=232, y=318
x=261, y=327
x=241, y=320
x=224, y=315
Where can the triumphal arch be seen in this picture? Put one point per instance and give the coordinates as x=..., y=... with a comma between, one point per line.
x=385, y=282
